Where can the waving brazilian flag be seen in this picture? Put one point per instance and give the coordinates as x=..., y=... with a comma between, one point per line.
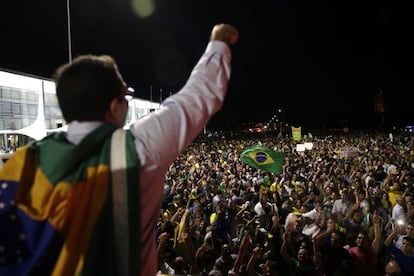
x=263, y=158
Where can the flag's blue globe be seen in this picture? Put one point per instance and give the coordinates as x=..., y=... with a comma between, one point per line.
x=261, y=157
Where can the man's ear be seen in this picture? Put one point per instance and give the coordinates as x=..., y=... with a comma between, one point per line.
x=113, y=111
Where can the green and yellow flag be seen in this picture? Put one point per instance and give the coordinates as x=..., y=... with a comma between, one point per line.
x=263, y=158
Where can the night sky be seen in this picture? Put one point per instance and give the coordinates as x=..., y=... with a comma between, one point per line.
x=321, y=62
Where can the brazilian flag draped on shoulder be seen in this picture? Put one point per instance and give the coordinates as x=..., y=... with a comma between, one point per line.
x=263, y=158
x=57, y=215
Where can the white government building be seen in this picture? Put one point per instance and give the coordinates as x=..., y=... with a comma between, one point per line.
x=29, y=109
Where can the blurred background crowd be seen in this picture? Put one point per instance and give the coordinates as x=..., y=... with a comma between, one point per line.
x=324, y=214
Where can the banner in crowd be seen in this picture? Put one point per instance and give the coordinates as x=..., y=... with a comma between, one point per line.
x=347, y=152
x=300, y=147
x=308, y=145
x=263, y=158
x=297, y=133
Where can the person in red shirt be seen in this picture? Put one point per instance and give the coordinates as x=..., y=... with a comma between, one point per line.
x=364, y=255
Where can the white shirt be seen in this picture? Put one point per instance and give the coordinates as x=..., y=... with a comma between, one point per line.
x=339, y=206
x=398, y=212
x=258, y=208
x=364, y=204
x=162, y=135
x=312, y=214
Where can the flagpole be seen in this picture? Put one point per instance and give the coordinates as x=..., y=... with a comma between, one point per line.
x=69, y=31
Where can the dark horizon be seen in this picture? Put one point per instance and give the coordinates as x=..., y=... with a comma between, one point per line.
x=322, y=62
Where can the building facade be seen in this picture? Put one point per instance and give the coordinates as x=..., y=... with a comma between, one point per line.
x=29, y=109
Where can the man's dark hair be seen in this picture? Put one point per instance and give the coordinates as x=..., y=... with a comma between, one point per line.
x=86, y=87
x=409, y=239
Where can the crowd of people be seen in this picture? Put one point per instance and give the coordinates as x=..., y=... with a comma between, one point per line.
x=325, y=214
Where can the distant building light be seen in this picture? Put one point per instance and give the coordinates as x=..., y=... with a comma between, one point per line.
x=409, y=128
